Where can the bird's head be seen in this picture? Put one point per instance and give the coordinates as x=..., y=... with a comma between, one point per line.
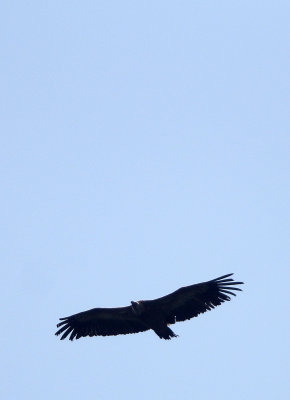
x=137, y=307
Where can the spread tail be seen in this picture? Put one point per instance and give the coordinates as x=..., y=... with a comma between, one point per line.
x=165, y=333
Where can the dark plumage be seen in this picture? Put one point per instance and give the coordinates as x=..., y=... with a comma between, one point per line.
x=185, y=303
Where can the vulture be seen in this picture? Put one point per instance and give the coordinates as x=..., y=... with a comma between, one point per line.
x=185, y=303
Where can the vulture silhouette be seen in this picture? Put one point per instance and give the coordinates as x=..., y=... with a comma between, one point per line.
x=185, y=303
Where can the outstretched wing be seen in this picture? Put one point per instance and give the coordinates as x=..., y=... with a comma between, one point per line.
x=100, y=322
x=190, y=301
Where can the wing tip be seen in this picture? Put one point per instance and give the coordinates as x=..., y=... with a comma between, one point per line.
x=223, y=278
x=228, y=286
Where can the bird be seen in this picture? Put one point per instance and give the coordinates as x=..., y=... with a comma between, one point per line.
x=158, y=314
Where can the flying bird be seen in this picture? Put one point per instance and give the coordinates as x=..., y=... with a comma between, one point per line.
x=185, y=303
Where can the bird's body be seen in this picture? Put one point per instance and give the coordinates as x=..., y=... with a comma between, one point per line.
x=185, y=303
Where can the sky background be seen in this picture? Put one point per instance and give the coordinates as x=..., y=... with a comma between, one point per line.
x=144, y=146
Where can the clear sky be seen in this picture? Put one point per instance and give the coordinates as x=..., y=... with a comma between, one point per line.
x=144, y=146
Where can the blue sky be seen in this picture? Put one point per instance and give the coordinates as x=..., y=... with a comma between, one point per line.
x=144, y=147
